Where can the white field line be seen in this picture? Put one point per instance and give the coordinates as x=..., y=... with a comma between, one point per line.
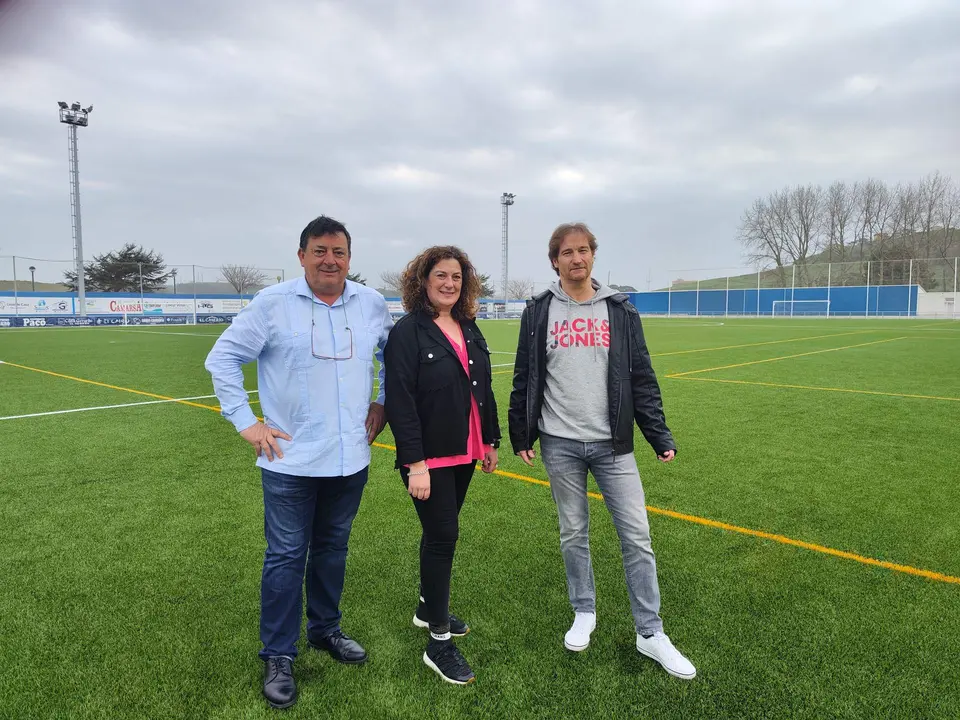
x=503, y=365
x=501, y=352
x=107, y=328
x=668, y=323
x=157, y=332
x=110, y=407
x=35, y=329
x=732, y=323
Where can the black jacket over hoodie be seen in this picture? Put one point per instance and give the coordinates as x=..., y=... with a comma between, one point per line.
x=633, y=391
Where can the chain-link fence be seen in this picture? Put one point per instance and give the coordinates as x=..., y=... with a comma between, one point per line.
x=920, y=286
x=924, y=287
x=48, y=289
x=27, y=274
x=931, y=274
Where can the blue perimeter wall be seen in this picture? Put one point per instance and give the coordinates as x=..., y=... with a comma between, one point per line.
x=884, y=300
x=892, y=300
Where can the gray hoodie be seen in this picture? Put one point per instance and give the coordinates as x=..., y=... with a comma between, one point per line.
x=575, y=402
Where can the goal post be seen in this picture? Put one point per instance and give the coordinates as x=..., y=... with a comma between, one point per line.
x=803, y=308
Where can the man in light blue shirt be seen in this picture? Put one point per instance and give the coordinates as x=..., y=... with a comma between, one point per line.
x=314, y=340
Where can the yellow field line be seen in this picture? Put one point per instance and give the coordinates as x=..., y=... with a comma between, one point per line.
x=816, y=387
x=909, y=570
x=783, y=539
x=782, y=357
x=758, y=344
x=112, y=387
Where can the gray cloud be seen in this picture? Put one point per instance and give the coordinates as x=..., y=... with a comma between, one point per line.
x=219, y=130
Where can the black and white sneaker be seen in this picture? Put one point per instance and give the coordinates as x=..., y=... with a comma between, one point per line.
x=458, y=628
x=445, y=659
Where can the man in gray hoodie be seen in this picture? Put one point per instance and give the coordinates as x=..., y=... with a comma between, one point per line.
x=582, y=377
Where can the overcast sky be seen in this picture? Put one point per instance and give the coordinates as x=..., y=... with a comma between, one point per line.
x=220, y=128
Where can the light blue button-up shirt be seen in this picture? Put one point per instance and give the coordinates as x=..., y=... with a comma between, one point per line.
x=321, y=402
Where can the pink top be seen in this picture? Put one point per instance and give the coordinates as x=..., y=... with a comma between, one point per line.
x=476, y=448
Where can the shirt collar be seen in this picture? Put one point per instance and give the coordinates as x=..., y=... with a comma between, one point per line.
x=304, y=290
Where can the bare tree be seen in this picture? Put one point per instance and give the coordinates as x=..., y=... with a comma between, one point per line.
x=873, y=217
x=243, y=278
x=947, y=242
x=903, y=219
x=948, y=217
x=933, y=193
x=866, y=192
x=839, y=207
x=803, y=212
x=519, y=288
x=392, y=282
x=761, y=234
x=868, y=221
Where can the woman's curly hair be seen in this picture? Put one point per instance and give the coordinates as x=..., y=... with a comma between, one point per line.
x=414, y=282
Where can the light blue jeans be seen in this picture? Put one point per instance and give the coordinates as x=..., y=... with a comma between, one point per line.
x=567, y=463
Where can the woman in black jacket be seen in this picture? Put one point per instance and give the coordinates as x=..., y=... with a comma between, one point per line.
x=441, y=409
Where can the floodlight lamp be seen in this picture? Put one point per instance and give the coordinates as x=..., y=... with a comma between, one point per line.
x=63, y=105
x=75, y=106
x=89, y=110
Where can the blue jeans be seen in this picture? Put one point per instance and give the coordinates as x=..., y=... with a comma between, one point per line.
x=306, y=521
x=567, y=463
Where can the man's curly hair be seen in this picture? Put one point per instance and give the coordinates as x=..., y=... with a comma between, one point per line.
x=414, y=282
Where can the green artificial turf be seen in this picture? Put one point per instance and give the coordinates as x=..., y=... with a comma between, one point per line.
x=132, y=541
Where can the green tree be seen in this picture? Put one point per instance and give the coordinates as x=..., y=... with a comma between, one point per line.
x=357, y=278
x=122, y=270
x=486, y=286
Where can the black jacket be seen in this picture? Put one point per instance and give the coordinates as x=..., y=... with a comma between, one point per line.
x=631, y=383
x=428, y=393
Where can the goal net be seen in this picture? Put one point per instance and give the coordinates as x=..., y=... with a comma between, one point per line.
x=804, y=308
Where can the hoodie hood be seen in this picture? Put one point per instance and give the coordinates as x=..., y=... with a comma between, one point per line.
x=603, y=292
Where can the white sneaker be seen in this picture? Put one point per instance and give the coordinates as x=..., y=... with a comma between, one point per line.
x=578, y=636
x=659, y=648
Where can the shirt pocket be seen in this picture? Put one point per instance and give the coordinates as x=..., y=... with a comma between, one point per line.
x=366, y=344
x=296, y=351
x=437, y=368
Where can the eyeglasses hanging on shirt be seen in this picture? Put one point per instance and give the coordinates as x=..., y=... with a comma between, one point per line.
x=346, y=335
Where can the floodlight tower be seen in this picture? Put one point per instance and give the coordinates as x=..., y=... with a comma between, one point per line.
x=506, y=200
x=74, y=116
